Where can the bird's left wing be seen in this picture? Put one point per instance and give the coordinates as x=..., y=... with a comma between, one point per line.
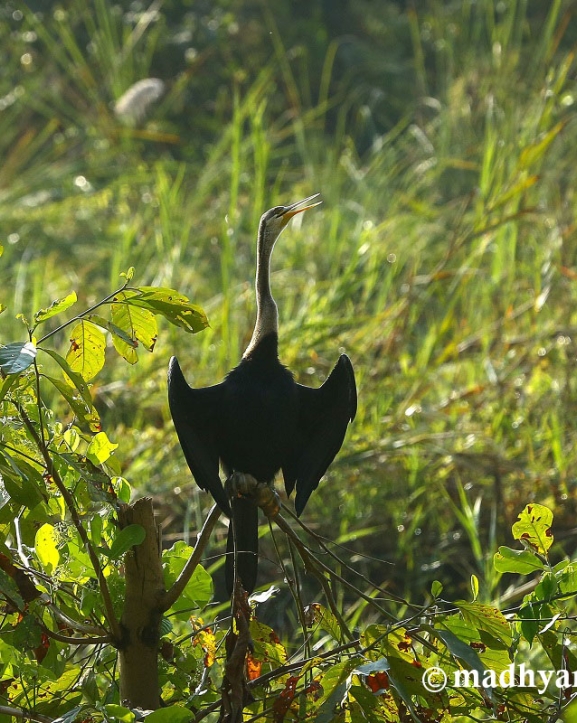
x=194, y=412
x=324, y=415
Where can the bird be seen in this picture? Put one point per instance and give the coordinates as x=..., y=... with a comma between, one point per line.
x=259, y=420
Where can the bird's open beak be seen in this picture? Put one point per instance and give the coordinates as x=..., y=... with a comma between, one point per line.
x=299, y=207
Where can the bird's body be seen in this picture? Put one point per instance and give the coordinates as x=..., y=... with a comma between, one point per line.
x=259, y=420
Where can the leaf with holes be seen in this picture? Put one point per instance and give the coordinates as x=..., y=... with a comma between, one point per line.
x=138, y=324
x=56, y=307
x=487, y=618
x=533, y=528
x=175, y=307
x=87, y=348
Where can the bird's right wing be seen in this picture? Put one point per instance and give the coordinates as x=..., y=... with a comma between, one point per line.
x=324, y=415
x=194, y=412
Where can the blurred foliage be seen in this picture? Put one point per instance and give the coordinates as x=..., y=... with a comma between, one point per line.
x=443, y=260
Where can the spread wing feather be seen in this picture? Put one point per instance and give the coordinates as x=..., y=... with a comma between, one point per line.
x=324, y=415
x=193, y=413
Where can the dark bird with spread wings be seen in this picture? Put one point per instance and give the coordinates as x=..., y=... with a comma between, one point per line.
x=259, y=420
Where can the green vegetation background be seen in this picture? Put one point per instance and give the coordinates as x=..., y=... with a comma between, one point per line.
x=443, y=259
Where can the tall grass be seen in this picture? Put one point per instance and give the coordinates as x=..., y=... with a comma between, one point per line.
x=441, y=261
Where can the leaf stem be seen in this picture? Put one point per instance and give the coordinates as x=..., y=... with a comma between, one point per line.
x=84, y=313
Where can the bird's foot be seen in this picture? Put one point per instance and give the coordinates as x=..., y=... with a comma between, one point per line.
x=239, y=484
x=267, y=499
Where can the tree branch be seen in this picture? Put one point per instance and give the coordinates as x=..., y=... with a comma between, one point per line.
x=172, y=595
x=24, y=714
x=69, y=500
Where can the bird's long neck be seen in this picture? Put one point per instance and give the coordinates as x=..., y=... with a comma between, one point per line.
x=267, y=312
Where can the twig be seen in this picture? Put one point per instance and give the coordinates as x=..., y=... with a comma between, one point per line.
x=86, y=312
x=102, y=640
x=69, y=500
x=321, y=542
x=74, y=624
x=172, y=595
x=287, y=529
x=24, y=714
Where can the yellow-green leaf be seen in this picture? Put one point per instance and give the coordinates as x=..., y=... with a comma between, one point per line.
x=138, y=324
x=474, y=587
x=100, y=448
x=487, y=618
x=46, y=549
x=535, y=151
x=533, y=528
x=522, y=562
x=56, y=307
x=71, y=377
x=168, y=303
x=85, y=413
x=87, y=347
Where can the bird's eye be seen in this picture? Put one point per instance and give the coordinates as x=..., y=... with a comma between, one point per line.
x=278, y=211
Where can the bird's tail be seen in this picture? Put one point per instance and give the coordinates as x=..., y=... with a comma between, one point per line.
x=243, y=526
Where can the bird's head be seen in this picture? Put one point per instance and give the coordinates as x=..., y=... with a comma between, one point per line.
x=273, y=222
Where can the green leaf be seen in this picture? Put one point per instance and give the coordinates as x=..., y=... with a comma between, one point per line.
x=22, y=481
x=126, y=538
x=7, y=385
x=17, y=356
x=119, y=714
x=171, y=714
x=138, y=325
x=533, y=528
x=267, y=646
x=100, y=448
x=458, y=648
x=522, y=562
x=27, y=634
x=169, y=303
x=56, y=307
x=45, y=544
x=9, y=590
x=436, y=588
x=98, y=483
x=487, y=618
x=529, y=621
x=87, y=349
x=71, y=376
x=85, y=413
x=325, y=620
x=332, y=681
x=199, y=588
